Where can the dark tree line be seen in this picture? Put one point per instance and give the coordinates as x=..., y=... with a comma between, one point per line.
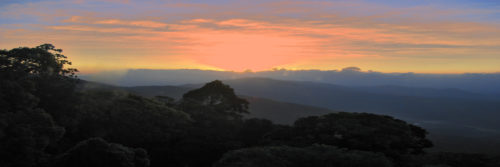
x=48, y=118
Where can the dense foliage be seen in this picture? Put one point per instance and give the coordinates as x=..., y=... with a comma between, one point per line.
x=312, y=156
x=362, y=131
x=34, y=87
x=49, y=117
x=98, y=152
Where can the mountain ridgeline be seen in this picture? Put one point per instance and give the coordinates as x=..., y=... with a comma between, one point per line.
x=454, y=117
x=484, y=83
x=418, y=105
x=50, y=118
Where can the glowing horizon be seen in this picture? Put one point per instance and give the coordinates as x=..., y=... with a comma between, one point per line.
x=424, y=37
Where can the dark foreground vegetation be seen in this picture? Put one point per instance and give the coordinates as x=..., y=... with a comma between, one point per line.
x=48, y=119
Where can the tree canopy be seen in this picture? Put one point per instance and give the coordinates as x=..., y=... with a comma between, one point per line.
x=313, y=156
x=215, y=96
x=98, y=152
x=362, y=131
x=27, y=126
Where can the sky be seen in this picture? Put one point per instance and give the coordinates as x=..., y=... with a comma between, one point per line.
x=421, y=36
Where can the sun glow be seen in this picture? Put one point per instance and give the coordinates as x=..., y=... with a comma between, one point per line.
x=278, y=34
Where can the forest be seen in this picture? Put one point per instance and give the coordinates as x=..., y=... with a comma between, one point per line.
x=48, y=118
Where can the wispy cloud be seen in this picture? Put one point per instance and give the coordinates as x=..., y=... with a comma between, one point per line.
x=260, y=35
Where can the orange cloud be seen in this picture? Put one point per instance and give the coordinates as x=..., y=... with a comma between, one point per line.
x=261, y=45
x=141, y=23
x=231, y=37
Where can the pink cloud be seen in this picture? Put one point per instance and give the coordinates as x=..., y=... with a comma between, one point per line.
x=232, y=36
x=139, y=23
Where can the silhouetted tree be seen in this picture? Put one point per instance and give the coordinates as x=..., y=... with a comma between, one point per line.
x=44, y=60
x=26, y=122
x=217, y=116
x=215, y=96
x=38, y=73
x=362, y=131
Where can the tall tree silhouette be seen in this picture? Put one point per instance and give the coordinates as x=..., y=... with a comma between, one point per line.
x=217, y=113
x=216, y=96
x=33, y=80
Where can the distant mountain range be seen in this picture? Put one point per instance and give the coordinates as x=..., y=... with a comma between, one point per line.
x=453, y=116
x=484, y=83
x=418, y=105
